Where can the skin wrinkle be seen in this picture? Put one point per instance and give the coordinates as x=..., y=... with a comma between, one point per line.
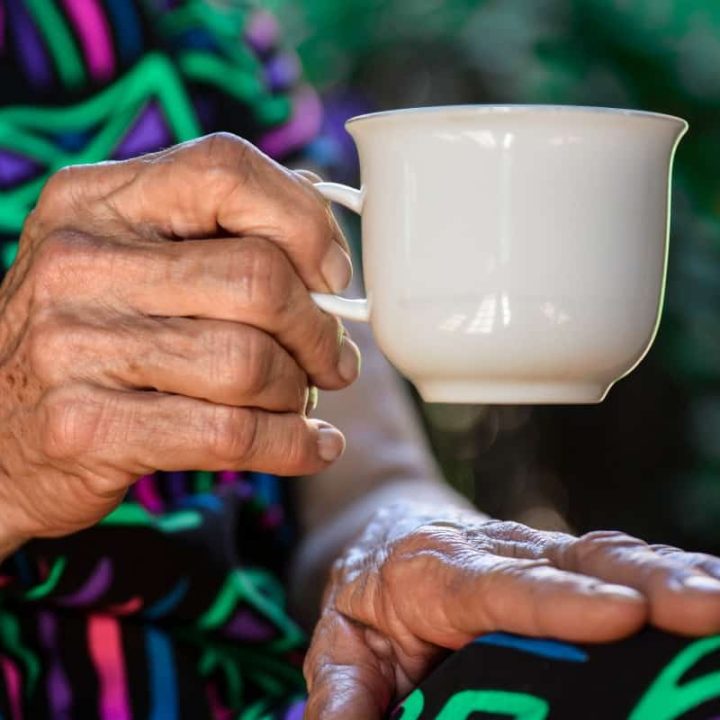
x=701, y=561
x=85, y=252
x=388, y=618
x=587, y=549
x=542, y=592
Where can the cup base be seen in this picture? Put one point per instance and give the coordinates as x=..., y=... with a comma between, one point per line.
x=511, y=393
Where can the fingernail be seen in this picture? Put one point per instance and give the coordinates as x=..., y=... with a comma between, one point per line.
x=312, y=400
x=619, y=592
x=336, y=268
x=701, y=583
x=349, y=362
x=331, y=443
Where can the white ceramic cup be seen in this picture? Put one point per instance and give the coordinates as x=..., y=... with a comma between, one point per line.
x=512, y=254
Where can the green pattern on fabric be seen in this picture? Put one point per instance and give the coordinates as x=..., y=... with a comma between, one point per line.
x=50, y=583
x=204, y=482
x=60, y=41
x=413, y=705
x=666, y=699
x=518, y=706
x=130, y=514
x=11, y=641
x=155, y=78
x=244, y=585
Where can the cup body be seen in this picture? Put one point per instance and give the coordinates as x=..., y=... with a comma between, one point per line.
x=515, y=254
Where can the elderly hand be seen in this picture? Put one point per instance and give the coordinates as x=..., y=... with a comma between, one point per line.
x=420, y=582
x=158, y=318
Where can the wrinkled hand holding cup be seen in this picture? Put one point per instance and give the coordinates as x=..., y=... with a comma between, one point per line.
x=512, y=254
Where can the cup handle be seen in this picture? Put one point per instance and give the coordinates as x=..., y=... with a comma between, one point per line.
x=357, y=309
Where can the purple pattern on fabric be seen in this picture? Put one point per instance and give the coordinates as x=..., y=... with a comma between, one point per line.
x=229, y=477
x=93, y=588
x=306, y=120
x=150, y=132
x=243, y=490
x=245, y=625
x=33, y=55
x=296, y=711
x=59, y=693
x=262, y=31
x=147, y=494
x=177, y=484
x=15, y=169
x=282, y=71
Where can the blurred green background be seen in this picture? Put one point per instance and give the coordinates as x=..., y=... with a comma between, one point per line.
x=648, y=459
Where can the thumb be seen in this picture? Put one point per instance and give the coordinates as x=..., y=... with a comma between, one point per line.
x=346, y=680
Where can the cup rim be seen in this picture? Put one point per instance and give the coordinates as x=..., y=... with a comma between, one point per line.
x=489, y=109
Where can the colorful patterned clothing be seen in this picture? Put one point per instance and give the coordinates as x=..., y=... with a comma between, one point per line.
x=651, y=676
x=173, y=606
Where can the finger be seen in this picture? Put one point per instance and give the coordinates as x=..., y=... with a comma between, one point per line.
x=136, y=433
x=458, y=593
x=345, y=679
x=312, y=178
x=243, y=280
x=218, y=184
x=308, y=175
x=249, y=281
x=223, y=362
x=683, y=597
x=700, y=561
x=246, y=280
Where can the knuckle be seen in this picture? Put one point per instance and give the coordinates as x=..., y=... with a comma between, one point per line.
x=225, y=158
x=256, y=366
x=49, y=341
x=512, y=531
x=56, y=187
x=400, y=561
x=232, y=434
x=69, y=426
x=241, y=359
x=53, y=255
x=63, y=192
x=222, y=148
x=59, y=259
x=261, y=276
x=588, y=547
